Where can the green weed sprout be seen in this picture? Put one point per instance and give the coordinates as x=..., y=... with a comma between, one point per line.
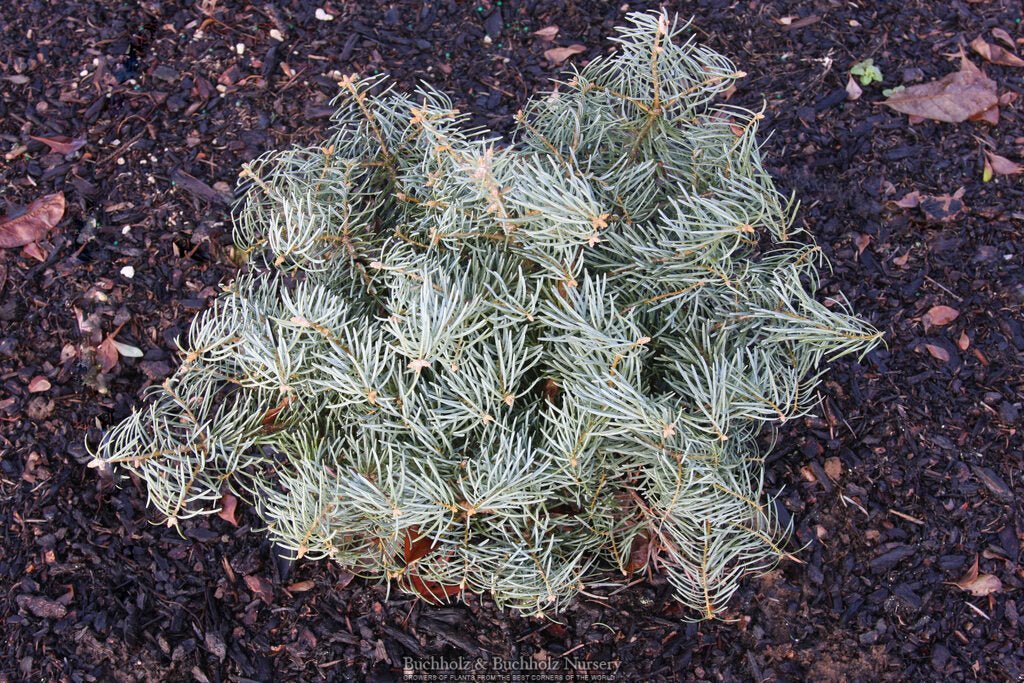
x=866, y=72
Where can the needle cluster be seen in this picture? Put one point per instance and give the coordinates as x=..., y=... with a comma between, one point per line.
x=516, y=370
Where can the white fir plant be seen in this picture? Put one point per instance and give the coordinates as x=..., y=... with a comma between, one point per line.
x=516, y=370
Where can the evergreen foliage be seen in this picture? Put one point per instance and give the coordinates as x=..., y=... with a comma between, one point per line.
x=514, y=370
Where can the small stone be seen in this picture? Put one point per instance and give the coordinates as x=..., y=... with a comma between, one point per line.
x=276, y=35
x=240, y=49
x=128, y=272
x=322, y=15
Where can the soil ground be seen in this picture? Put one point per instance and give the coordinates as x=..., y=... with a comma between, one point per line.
x=171, y=98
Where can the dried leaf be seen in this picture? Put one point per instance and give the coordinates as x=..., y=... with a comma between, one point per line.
x=301, y=586
x=127, y=350
x=416, y=547
x=433, y=592
x=107, y=354
x=938, y=352
x=263, y=589
x=641, y=554
x=344, y=579
x=269, y=421
x=862, y=241
x=551, y=390
x=943, y=207
x=547, y=33
x=1003, y=37
x=228, y=504
x=953, y=98
x=995, y=54
x=910, y=200
x=557, y=55
x=33, y=250
x=853, y=89
x=1002, y=165
x=964, y=342
x=38, y=384
x=990, y=115
x=61, y=144
x=979, y=585
x=833, y=468
x=39, y=218
x=937, y=316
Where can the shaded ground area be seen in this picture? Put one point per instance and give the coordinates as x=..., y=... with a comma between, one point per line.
x=906, y=478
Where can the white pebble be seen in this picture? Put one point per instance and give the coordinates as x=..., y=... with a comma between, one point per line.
x=126, y=229
x=322, y=15
x=240, y=49
x=128, y=272
x=276, y=35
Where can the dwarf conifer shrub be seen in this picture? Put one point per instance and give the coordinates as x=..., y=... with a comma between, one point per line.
x=514, y=370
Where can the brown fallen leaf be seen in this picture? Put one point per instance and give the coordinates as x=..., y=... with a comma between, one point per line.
x=228, y=504
x=941, y=207
x=833, y=468
x=956, y=97
x=547, y=33
x=862, y=241
x=33, y=250
x=1002, y=165
x=107, y=355
x=910, y=200
x=853, y=89
x=1003, y=37
x=978, y=585
x=433, y=592
x=38, y=384
x=937, y=316
x=995, y=54
x=263, y=589
x=557, y=55
x=964, y=342
x=61, y=144
x=937, y=352
x=344, y=579
x=301, y=586
x=39, y=218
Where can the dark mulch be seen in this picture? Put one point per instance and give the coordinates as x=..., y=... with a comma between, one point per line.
x=928, y=438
